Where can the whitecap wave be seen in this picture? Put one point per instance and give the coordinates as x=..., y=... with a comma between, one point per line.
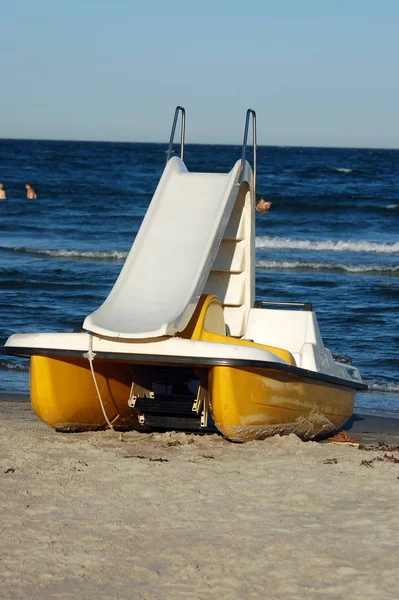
x=99, y=255
x=74, y=254
x=343, y=170
x=329, y=245
x=382, y=386
x=6, y=364
x=392, y=206
x=322, y=266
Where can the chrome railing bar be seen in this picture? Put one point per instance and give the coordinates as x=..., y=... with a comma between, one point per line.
x=250, y=113
x=305, y=305
x=182, y=132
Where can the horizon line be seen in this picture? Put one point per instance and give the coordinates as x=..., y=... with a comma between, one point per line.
x=196, y=143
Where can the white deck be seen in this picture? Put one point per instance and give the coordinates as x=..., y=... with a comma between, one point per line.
x=172, y=346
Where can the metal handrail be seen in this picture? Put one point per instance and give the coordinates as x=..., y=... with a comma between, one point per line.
x=305, y=305
x=250, y=113
x=182, y=132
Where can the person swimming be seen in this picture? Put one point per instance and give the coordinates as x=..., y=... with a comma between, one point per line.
x=30, y=192
x=262, y=206
x=3, y=194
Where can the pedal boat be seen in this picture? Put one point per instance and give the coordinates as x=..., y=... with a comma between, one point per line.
x=188, y=347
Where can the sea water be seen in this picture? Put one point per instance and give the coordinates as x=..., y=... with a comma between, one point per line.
x=330, y=238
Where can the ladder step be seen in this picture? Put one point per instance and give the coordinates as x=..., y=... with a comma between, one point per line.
x=163, y=404
x=182, y=423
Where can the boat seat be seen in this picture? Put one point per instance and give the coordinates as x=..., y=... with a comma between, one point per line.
x=295, y=330
x=207, y=324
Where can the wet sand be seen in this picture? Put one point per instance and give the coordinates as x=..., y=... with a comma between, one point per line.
x=151, y=516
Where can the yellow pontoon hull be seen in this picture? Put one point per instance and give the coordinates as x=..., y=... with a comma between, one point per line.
x=244, y=403
x=64, y=396
x=254, y=404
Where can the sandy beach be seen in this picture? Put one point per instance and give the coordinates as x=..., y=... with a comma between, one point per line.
x=151, y=516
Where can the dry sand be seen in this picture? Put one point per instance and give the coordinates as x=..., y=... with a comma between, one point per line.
x=97, y=515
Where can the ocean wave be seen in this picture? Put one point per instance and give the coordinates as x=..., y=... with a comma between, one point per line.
x=72, y=254
x=392, y=206
x=8, y=365
x=322, y=266
x=273, y=243
x=329, y=245
x=343, y=170
x=382, y=386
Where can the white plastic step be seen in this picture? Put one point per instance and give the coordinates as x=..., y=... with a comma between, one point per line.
x=235, y=229
x=229, y=288
x=230, y=257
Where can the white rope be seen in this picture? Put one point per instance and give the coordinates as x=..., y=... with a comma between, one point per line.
x=90, y=355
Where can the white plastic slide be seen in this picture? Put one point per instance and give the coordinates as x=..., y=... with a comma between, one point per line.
x=170, y=260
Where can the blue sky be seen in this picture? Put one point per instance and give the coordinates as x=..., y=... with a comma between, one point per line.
x=317, y=72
